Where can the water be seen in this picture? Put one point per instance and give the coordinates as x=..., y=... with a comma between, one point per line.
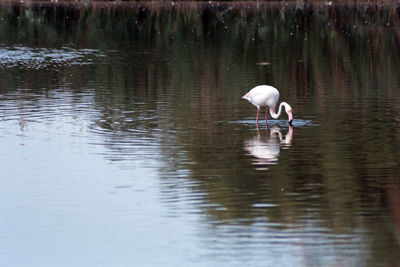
x=124, y=139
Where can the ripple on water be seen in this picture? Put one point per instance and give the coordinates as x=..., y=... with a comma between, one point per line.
x=33, y=106
x=295, y=123
x=130, y=141
x=39, y=58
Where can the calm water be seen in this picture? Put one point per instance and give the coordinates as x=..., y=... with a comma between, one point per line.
x=124, y=139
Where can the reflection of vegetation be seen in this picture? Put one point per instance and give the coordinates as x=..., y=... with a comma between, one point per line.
x=184, y=65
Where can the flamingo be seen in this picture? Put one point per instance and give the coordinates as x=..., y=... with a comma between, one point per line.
x=267, y=96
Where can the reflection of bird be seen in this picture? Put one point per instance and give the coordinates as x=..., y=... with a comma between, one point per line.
x=266, y=149
x=267, y=96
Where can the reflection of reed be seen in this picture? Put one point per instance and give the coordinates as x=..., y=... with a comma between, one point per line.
x=393, y=199
x=288, y=37
x=341, y=51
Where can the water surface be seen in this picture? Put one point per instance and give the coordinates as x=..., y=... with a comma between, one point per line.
x=124, y=139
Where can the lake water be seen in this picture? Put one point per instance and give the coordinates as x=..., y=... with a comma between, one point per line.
x=125, y=142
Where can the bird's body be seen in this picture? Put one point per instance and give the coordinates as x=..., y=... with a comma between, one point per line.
x=263, y=96
x=267, y=96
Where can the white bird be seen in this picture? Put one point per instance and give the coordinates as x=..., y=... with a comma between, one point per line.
x=268, y=96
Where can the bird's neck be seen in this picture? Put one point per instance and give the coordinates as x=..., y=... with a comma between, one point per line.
x=276, y=115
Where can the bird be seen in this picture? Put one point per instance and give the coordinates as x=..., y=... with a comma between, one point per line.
x=267, y=96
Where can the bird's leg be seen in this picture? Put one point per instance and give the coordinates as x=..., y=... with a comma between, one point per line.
x=258, y=112
x=266, y=117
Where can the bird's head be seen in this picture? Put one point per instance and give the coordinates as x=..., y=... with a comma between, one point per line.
x=289, y=112
x=290, y=115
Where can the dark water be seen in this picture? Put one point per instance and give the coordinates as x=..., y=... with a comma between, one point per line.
x=124, y=139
